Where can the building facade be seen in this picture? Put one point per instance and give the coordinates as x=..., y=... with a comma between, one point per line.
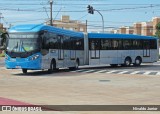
x=137, y=28
x=66, y=23
x=129, y=30
x=122, y=30
x=140, y=28
x=147, y=29
x=155, y=21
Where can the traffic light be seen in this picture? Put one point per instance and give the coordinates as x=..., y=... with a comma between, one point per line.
x=90, y=9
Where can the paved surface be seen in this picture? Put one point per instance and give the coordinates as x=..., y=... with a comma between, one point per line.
x=86, y=87
x=1, y=61
x=156, y=73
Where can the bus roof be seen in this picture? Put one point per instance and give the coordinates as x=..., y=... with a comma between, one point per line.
x=40, y=27
x=118, y=36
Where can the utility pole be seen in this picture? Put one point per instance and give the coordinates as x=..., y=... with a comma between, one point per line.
x=86, y=26
x=51, y=20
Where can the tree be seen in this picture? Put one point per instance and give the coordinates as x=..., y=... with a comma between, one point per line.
x=157, y=34
x=3, y=37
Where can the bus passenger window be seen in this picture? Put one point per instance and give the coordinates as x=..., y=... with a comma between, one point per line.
x=92, y=45
x=106, y=44
x=127, y=44
x=114, y=44
x=45, y=41
x=153, y=44
x=120, y=44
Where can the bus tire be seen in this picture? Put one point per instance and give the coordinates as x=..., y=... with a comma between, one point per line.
x=76, y=65
x=24, y=71
x=52, y=66
x=138, y=61
x=127, y=61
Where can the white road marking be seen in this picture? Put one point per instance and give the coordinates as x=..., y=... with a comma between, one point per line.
x=158, y=73
x=89, y=71
x=134, y=72
x=122, y=72
x=111, y=71
x=147, y=72
x=100, y=71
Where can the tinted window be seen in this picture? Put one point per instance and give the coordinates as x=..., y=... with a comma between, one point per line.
x=127, y=44
x=94, y=44
x=153, y=44
x=106, y=44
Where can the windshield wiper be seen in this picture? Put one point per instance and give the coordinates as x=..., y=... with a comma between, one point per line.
x=22, y=47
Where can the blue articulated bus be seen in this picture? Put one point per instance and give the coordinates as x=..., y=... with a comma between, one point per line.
x=39, y=47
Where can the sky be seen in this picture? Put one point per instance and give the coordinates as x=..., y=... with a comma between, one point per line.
x=116, y=13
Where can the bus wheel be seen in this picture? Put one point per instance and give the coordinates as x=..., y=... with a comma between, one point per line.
x=24, y=71
x=52, y=67
x=113, y=65
x=138, y=61
x=127, y=62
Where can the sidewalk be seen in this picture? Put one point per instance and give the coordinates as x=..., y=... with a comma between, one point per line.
x=2, y=61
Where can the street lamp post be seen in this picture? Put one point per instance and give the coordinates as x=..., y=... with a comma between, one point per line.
x=91, y=11
x=102, y=20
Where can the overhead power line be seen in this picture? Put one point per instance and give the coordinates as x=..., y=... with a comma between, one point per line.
x=77, y=4
x=103, y=10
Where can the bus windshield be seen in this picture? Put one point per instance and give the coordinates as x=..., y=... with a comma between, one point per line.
x=22, y=42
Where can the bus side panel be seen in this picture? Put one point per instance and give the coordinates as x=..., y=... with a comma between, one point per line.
x=80, y=56
x=154, y=52
x=93, y=61
x=109, y=57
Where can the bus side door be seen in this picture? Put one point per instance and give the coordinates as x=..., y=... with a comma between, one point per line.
x=146, y=48
x=95, y=48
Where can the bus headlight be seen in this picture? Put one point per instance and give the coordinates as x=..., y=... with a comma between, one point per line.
x=6, y=57
x=34, y=57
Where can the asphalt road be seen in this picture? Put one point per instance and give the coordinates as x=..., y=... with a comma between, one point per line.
x=89, y=85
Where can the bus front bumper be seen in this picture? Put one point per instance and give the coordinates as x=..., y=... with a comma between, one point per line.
x=23, y=63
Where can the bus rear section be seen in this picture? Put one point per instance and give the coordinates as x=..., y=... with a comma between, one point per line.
x=122, y=49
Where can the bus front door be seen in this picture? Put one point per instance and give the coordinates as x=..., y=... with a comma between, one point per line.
x=146, y=48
